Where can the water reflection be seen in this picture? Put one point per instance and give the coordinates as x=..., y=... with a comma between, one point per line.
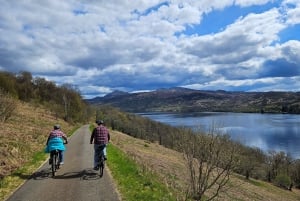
x=279, y=132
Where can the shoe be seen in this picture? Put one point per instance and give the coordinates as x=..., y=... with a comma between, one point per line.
x=96, y=168
x=61, y=163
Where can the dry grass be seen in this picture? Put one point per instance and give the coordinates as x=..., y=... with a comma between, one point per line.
x=169, y=165
x=26, y=132
x=21, y=137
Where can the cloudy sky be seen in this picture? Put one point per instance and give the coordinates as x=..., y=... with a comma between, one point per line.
x=139, y=45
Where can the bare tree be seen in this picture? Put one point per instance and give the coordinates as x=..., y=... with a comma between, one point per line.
x=211, y=159
x=250, y=161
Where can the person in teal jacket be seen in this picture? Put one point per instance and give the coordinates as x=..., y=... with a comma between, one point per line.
x=56, y=141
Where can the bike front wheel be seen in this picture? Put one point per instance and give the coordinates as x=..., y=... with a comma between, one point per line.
x=101, y=168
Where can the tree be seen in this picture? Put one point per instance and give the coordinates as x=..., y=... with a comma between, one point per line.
x=74, y=106
x=211, y=158
x=8, y=83
x=279, y=163
x=295, y=173
x=25, y=86
x=44, y=89
x=250, y=160
x=7, y=105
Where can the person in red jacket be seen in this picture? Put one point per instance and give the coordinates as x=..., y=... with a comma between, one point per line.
x=100, y=136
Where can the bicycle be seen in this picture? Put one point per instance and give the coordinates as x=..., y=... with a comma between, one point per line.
x=55, y=161
x=101, y=163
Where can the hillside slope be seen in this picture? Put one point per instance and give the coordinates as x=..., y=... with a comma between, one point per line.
x=25, y=134
x=169, y=165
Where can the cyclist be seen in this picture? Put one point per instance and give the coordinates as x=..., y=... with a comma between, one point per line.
x=56, y=141
x=101, y=137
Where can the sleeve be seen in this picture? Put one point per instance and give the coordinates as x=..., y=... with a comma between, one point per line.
x=65, y=137
x=48, y=140
x=92, y=136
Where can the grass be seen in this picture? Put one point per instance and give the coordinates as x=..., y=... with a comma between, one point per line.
x=22, y=145
x=134, y=183
x=254, y=182
x=168, y=166
x=8, y=183
x=17, y=177
x=141, y=170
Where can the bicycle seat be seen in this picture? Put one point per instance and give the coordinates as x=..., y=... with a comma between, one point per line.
x=54, y=151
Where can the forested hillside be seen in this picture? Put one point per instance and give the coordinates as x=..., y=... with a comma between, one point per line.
x=30, y=106
x=25, y=132
x=216, y=151
x=188, y=100
x=64, y=101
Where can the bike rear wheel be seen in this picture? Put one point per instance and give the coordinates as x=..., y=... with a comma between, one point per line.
x=53, y=164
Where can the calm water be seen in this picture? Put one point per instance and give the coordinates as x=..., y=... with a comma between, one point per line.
x=279, y=132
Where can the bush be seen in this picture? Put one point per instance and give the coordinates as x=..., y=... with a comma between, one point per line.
x=7, y=106
x=283, y=180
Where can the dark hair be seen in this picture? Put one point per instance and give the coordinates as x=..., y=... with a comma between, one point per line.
x=57, y=126
x=99, y=122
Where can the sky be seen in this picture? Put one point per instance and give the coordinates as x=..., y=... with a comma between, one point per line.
x=100, y=46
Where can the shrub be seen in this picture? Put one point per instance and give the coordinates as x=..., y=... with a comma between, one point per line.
x=283, y=180
x=7, y=106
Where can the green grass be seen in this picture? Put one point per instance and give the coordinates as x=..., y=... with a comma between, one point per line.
x=133, y=182
x=27, y=169
x=8, y=183
x=251, y=181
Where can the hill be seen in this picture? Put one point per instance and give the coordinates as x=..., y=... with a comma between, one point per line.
x=23, y=138
x=187, y=100
x=25, y=133
x=170, y=166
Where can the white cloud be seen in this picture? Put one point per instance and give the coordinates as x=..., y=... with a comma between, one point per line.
x=133, y=45
x=245, y=3
x=290, y=50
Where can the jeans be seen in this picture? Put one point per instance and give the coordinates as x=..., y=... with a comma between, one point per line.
x=97, y=152
x=60, y=155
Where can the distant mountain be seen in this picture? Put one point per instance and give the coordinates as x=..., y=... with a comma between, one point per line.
x=180, y=99
x=115, y=94
x=109, y=96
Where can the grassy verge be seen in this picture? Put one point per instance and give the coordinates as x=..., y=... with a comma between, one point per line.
x=133, y=182
x=11, y=182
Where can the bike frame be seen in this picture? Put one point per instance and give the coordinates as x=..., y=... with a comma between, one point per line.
x=54, y=155
x=55, y=161
x=101, y=160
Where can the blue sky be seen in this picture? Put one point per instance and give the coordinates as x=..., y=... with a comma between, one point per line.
x=102, y=46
